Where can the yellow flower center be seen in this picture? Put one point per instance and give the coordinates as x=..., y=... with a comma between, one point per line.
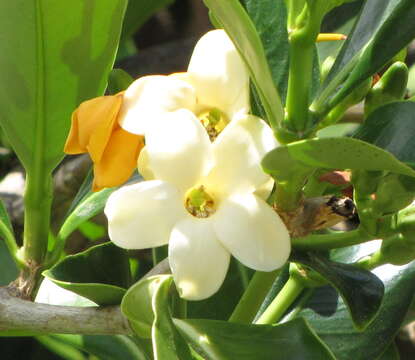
x=214, y=122
x=199, y=203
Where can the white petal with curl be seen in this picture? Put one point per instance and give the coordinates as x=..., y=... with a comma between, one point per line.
x=198, y=261
x=238, y=152
x=149, y=96
x=142, y=215
x=179, y=150
x=252, y=232
x=218, y=74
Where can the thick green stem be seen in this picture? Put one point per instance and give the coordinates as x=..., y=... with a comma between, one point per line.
x=37, y=201
x=253, y=297
x=288, y=294
x=331, y=241
x=300, y=77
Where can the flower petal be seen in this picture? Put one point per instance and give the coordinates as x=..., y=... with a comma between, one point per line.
x=142, y=215
x=199, y=262
x=179, y=149
x=252, y=232
x=238, y=152
x=92, y=125
x=118, y=161
x=148, y=97
x=218, y=74
x=143, y=165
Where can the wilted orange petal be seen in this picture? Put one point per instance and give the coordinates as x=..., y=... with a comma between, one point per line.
x=92, y=124
x=119, y=159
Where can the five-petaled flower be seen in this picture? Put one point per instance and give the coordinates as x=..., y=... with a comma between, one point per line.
x=202, y=166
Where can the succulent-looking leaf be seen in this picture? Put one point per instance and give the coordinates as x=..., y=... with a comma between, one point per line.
x=360, y=289
x=101, y=273
x=220, y=340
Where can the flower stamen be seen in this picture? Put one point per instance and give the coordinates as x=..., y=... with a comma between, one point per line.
x=214, y=122
x=199, y=203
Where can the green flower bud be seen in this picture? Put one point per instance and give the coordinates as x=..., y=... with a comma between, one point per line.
x=391, y=87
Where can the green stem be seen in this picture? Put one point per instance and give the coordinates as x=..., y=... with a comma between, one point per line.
x=288, y=294
x=159, y=254
x=299, y=81
x=253, y=297
x=37, y=201
x=331, y=241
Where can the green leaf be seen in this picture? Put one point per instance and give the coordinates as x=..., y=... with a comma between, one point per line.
x=328, y=315
x=57, y=54
x=372, y=15
x=330, y=153
x=220, y=340
x=63, y=350
x=391, y=353
x=117, y=347
x=360, y=289
x=87, y=204
x=232, y=16
x=270, y=20
x=100, y=273
x=395, y=32
x=8, y=269
x=167, y=342
x=392, y=128
x=137, y=304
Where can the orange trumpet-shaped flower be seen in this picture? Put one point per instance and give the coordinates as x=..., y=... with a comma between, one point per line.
x=113, y=150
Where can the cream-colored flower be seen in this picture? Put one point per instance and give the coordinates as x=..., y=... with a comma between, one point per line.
x=215, y=89
x=202, y=201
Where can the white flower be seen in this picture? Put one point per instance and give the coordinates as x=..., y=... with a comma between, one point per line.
x=216, y=83
x=202, y=202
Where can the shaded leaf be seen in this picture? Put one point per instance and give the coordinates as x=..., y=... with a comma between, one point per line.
x=360, y=289
x=116, y=347
x=100, y=273
x=328, y=315
x=220, y=340
x=392, y=128
x=270, y=20
x=372, y=15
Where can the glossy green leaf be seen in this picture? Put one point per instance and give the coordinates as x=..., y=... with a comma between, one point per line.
x=167, y=342
x=392, y=353
x=137, y=304
x=330, y=153
x=394, y=34
x=57, y=54
x=361, y=291
x=116, y=347
x=270, y=20
x=392, y=127
x=240, y=28
x=8, y=269
x=372, y=15
x=87, y=204
x=328, y=315
x=100, y=273
x=220, y=340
